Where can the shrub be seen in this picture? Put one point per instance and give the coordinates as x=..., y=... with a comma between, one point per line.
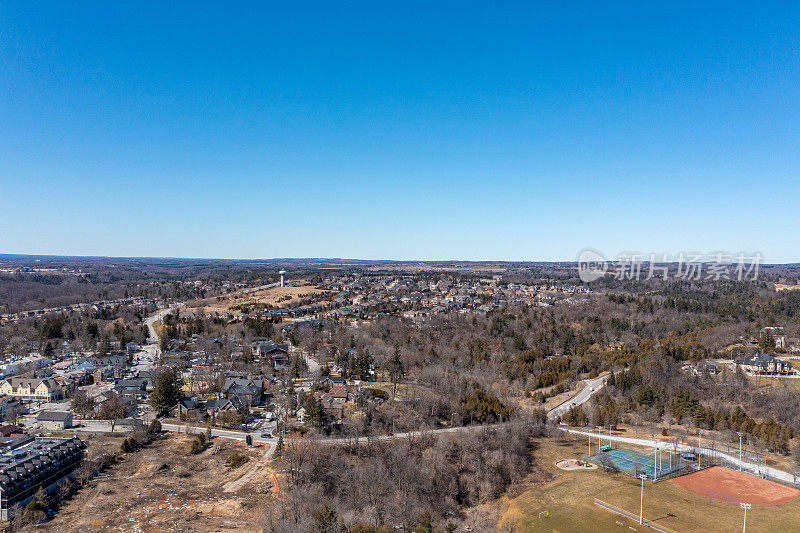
x=236, y=460
x=198, y=444
x=154, y=427
x=128, y=445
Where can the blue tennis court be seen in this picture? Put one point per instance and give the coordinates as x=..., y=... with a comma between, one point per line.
x=635, y=463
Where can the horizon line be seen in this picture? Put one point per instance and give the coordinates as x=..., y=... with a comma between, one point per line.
x=5, y=256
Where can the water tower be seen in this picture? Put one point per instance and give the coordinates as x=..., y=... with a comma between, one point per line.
x=282, y=273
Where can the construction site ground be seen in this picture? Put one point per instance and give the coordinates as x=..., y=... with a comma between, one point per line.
x=163, y=488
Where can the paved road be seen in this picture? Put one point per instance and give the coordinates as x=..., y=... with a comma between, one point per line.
x=313, y=364
x=153, y=336
x=582, y=397
x=746, y=465
x=260, y=288
x=227, y=433
x=146, y=358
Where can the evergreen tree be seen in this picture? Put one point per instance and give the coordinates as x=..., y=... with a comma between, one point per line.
x=396, y=369
x=166, y=391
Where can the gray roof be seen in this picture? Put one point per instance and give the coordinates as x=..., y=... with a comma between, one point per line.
x=54, y=416
x=762, y=360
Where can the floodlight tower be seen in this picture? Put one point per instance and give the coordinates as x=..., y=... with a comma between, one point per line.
x=641, y=499
x=282, y=273
x=745, y=506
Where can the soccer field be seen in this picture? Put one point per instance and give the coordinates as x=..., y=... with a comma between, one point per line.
x=568, y=500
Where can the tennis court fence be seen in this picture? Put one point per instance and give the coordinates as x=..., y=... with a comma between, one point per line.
x=655, y=465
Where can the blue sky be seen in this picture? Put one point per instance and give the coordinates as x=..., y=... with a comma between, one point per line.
x=399, y=130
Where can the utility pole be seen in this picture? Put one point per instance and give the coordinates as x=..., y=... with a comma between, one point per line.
x=745, y=506
x=641, y=499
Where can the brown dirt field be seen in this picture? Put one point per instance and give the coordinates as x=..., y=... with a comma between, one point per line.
x=278, y=296
x=162, y=488
x=723, y=484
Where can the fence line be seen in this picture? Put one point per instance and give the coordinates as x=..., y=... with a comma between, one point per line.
x=627, y=514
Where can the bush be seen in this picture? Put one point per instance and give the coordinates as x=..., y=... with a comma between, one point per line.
x=128, y=445
x=236, y=460
x=198, y=444
x=154, y=427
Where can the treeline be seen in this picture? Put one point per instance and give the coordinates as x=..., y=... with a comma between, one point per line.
x=83, y=331
x=656, y=390
x=396, y=485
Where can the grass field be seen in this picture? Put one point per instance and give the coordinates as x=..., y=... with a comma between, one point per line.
x=568, y=499
x=776, y=383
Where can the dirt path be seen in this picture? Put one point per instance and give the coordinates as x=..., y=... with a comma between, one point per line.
x=260, y=466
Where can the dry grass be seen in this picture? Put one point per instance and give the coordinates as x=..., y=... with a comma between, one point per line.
x=276, y=296
x=161, y=488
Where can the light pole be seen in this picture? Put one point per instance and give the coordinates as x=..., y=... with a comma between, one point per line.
x=745, y=506
x=700, y=449
x=741, y=434
x=641, y=499
x=599, y=435
x=657, y=461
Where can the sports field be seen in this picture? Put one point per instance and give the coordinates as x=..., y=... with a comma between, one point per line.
x=727, y=485
x=634, y=463
x=568, y=500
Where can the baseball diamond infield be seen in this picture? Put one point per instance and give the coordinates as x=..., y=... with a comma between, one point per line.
x=723, y=484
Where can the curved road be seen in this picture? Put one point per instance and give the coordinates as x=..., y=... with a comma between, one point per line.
x=592, y=387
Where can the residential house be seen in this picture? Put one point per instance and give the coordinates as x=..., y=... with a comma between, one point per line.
x=216, y=405
x=54, y=420
x=278, y=353
x=186, y=408
x=31, y=388
x=248, y=390
x=9, y=430
x=332, y=381
x=765, y=364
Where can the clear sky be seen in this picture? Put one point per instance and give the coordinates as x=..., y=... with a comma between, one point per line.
x=399, y=130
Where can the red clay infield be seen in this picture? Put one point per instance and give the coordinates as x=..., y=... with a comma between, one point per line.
x=727, y=485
